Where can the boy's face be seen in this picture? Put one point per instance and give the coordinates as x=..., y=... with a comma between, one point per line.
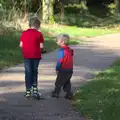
x=60, y=42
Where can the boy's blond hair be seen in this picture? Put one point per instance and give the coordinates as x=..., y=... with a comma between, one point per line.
x=64, y=37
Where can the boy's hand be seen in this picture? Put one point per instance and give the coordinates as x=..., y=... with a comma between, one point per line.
x=43, y=50
x=21, y=44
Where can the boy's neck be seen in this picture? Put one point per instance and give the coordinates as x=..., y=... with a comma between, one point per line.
x=34, y=28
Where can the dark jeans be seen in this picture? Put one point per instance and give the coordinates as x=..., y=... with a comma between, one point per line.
x=31, y=72
x=63, y=80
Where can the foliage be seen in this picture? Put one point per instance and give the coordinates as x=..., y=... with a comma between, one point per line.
x=76, y=8
x=98, y=2
x=11, y=10
x=112, y=8
x=51, y=21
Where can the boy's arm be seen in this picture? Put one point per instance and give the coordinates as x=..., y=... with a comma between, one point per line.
x=60, y=59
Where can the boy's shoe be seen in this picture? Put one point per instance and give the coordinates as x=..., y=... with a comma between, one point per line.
x=36, y=95
x=69, y=96
x=55, y=95
x=28, y=94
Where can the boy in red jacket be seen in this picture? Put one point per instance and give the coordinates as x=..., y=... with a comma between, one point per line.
x=31, y=43
x=64, y=67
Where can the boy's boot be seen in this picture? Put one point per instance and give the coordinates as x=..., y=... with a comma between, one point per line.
x=55, y=95
x=69, y=96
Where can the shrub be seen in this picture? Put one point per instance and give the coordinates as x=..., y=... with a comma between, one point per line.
x=76, y=8
x=112, y=7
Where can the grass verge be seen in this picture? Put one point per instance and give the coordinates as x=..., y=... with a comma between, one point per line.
x=74, y=31
x=99, y=99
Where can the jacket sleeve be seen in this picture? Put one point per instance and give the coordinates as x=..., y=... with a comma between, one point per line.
x=60, y=59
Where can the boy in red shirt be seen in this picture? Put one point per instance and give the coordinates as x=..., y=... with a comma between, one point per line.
x=31, y=43
x=64, y=67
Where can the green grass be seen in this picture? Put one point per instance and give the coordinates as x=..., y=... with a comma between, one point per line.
x=78, y=32
x=10, y=53
x=99, y=99
x=9, y=50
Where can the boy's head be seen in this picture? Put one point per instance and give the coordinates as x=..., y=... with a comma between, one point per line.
x=34, y=22
x=62, y=39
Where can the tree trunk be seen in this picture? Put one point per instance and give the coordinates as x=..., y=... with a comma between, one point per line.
x=48, y=11
x=51, y=12
x=118, y=7
x=45, y=11
x=25, y=10
x=62, y=11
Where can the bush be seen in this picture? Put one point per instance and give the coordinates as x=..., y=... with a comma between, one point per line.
x=112, y=7
x=76, y=8
x=78, y=20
